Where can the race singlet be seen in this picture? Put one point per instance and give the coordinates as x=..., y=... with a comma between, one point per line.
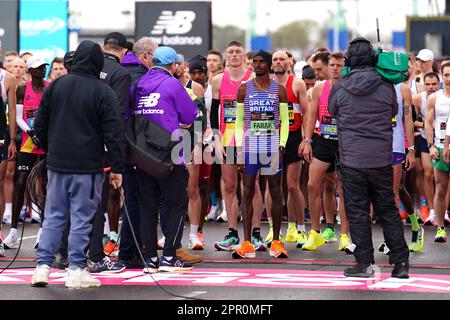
x=295, y=121
x=327, y=127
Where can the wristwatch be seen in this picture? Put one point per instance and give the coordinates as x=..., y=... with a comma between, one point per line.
x=411, y=148
x=429, y=145
x=309, y=140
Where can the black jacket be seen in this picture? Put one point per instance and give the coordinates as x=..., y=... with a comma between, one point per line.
x=78, y=116
x=118, y=78
x=364, y=105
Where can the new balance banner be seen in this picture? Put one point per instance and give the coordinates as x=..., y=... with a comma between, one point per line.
x=9, y=26
x=185, y=26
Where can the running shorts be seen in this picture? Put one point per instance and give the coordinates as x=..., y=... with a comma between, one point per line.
x=440, y=164
x=291, y=154
x=326, y=151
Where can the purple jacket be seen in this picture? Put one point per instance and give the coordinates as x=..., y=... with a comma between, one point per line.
x=163, y=99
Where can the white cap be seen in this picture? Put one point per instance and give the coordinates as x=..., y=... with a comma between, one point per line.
x=425, y=55
x=298, y=68
x=35, y=62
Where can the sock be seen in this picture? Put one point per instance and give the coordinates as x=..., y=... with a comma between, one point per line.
x=194, y=228
x=106, y=225
x=113, y=236
x=301, y=228
x=169, y=258
x=233, y=232
x=13, y=232
x=331, y=226
x=270, y=222
x=423, y=201
x=256, y=232
x=154, y=259
x=414, y=222
x=291, y=225
x=8, y=209
x=212, y=198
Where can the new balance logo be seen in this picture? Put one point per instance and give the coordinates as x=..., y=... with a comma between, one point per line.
x=178, y=23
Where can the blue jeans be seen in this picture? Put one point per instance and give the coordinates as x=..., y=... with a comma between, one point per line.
x=77, y=195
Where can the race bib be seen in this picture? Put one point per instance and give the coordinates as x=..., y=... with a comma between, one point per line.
x=291, y=114
x=442, y=128
x=262, y=123
x=329, y=128
x=229, y=111
x=30, y=116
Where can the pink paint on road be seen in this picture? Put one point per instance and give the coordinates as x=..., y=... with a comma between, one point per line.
x=269, y=278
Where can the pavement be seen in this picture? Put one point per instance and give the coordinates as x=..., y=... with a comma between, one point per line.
x=305, y=275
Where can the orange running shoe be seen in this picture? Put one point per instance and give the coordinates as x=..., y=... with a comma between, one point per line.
x=277, y=250
x=111, y=249
x=246, y=250
x=425, y=213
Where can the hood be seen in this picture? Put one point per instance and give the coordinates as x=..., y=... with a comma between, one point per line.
x=130, y=59
x=361, y=82
x=153, y=80
x=88, y=59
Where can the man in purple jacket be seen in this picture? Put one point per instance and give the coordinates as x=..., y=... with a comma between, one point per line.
x=162, y=99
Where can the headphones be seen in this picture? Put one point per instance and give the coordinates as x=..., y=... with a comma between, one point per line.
x=354, y=56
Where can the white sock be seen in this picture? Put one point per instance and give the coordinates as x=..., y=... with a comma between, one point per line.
x=432, y=212
x=13, y=232
x=194, y=228
x=169, y=258
x=8, y=209
x=106, y=229
x=301, y=228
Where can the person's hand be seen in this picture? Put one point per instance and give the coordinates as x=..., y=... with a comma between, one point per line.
x=34, y=138
x=207, y=136
x=12, y=150
x=410, y=160
x=115, y=180
x=446, y=154
x=219, y=148
x=434, y=153
x=305, y=150
x=196, y=154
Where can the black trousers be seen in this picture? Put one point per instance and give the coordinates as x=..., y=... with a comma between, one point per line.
x=173, y=190
x=361, y=188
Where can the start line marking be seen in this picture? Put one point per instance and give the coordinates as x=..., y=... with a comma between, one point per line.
x=265, y=278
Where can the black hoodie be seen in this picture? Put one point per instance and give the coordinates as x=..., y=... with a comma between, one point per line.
x=364, y=105
x=78, y=115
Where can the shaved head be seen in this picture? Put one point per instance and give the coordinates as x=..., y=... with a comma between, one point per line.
x=280, y=62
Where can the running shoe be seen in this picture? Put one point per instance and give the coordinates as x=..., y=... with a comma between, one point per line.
x=383, y=248
x=302, y=238
x=2, y=249
x=417, y=241
x=401, y=270
x=188, y=257
x=11, y=241
x=446, y=219
x=277, y=250
x=61, y=262
x=424, y=213
x=222, y=217
x=245, y=250
x=111, y=249
x=441, y=235
x=7, y=219
x=350, y=249
x=150, y=266
x=329, y=235
x=228, y=243
x=344, y=242
x=269, y=236
x=194, y=242
x=35, y=217
x=40, y=276
x=291, y=235
x=431, y=220
x=105, y=266
x=258, y=243
x=212, y=214
x=160, y=243
x=200, y=237
x=80, y=278
x=174, y=265
x=315, y=240
x=360, y=270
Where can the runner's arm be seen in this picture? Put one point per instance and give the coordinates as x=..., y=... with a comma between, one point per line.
x=303, y=99
x=284, y=116
x=416, y=104
x=312, y=111
x=12, y=100
x=240, y=114
x=429, y=119
x=407, y=97
x=19, y=119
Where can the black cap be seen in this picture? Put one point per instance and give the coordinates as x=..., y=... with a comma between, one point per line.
x=69, y=56
x=117, y=39
x=265, y=55
x=360, y=53
x=198, y=63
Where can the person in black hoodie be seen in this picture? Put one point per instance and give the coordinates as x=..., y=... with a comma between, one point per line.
x=78, y=115
x=364, y=105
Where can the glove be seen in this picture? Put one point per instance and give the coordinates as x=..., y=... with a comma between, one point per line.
x=34, y=138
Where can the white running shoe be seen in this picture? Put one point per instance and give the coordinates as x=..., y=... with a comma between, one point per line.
x=161, y=243
x=2, y=249
x=431, y=219
x=212, y=215
x=222, y=217
x=38, y=237
x=11, y=241
x=40, y=276
x=194, y=242
x=446, y=217
x=7, y=218
x=35, y=217
x=81, y=278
